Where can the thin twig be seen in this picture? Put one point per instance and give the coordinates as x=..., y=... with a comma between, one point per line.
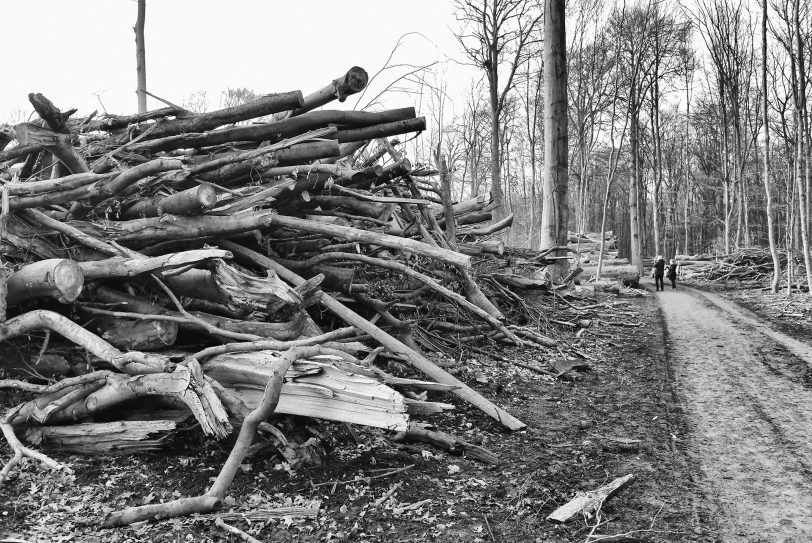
x=367, y=479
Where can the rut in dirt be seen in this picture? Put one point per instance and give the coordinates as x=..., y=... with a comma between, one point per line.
x=749, y=407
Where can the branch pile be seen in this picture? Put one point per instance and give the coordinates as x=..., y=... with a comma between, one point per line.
x=746, y=266
x=187, y=256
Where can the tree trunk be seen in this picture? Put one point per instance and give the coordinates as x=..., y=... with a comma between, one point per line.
x=635, y=230
x=767, y=185
x=496, y=158
x=556, y=161
x=141, y=57
x=800, y=107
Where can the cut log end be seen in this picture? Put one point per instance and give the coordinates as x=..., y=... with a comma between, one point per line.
x=55, y=278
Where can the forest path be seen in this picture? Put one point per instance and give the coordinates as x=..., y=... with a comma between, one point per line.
x=747, y=395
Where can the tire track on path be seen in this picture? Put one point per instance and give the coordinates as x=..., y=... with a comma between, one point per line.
x=750, y=422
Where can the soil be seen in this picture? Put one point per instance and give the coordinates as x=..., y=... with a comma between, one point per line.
x=746, y=392
x=707, y=412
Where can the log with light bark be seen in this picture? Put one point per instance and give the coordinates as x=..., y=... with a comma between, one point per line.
x=487, y=230
x=120, y=266
x=59, y=279
x=397, y=347
x=31, y=187
x=493, y=246
x=133, y=363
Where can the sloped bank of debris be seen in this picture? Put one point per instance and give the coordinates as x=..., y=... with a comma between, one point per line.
x=591, y=424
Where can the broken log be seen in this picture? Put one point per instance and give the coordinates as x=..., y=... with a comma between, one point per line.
x=120, y=266
x=397, y=347
x=588, y=502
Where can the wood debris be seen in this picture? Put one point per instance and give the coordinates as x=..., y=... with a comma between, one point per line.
x=135, y=237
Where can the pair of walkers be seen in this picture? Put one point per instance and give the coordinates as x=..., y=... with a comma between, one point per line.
x=659, y=269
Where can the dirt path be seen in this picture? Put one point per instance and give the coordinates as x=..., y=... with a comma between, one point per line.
x=747, y=392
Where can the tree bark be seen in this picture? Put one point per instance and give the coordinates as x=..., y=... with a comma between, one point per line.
x=556, y=160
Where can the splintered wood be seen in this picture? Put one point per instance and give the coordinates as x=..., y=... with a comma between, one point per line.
x=588, y=503
x=190, y=255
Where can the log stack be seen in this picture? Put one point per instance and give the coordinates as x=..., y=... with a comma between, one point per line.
x=135, y=237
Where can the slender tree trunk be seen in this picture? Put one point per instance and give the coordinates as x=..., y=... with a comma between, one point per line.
x=496, y=148
x=556, y=163
x=141, y=57
x=658, y=167
x=634, y=188
x=800, y=106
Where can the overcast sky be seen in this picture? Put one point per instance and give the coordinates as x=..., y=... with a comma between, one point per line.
x=81, y=53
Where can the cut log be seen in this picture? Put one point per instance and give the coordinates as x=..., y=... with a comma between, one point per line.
x=486, y=230
x=59, y=279
x=354, y=81
x=192, y=201
x=493, y=246
x=589, y=502
x=397, y=347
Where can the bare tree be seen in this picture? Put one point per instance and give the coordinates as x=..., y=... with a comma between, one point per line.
x=497, y=34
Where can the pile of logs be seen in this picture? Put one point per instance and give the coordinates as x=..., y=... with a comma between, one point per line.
x=216, y=270
x=746, y=266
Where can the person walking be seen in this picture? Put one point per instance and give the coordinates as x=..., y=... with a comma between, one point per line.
x=671, y=273
x=657, y=272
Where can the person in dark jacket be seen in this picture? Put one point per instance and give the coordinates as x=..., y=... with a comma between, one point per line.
x=657, y=272
x=671, y=273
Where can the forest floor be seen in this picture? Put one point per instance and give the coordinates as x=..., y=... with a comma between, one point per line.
x=698, y=403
